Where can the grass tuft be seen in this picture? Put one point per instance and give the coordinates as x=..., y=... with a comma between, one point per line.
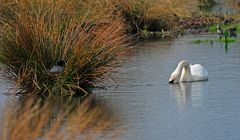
x=38, y=33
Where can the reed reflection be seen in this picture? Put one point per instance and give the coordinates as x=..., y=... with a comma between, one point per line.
x=54, y=118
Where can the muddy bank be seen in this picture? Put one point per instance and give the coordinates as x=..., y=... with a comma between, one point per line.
x=192, y=25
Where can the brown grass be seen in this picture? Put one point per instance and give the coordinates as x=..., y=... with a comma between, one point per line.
x=154, y=15
x=38, y=33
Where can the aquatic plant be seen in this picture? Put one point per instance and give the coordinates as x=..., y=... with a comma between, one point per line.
x=199, y=41
x=36, y=34
x=213, y=28
x=208, y=41
x=54, y=118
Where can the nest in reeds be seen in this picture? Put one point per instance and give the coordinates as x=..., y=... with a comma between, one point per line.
x=39, y=33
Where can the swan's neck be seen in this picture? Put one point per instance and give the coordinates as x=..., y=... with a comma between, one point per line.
x=183, y=72
x=178, y=73
x=179, y=70
x=186, y=74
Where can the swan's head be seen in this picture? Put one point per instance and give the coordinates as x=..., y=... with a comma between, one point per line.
x=175, y=76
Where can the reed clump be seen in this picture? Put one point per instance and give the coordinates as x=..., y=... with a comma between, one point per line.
x=56, y=119
x=36, y=34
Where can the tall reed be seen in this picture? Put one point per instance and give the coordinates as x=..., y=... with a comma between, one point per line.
x=38, y=33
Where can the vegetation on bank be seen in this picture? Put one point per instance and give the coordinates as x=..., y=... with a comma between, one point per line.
x=213, y=28
x=147, y=18
x=209, y=41
x=89, y=36
x=226, y=38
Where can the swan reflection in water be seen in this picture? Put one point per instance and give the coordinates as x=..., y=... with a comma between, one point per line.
x=189, y=94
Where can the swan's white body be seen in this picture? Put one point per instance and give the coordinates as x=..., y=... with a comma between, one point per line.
x=188, y=73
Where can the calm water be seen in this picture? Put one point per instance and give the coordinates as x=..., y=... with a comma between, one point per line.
x=152, y=109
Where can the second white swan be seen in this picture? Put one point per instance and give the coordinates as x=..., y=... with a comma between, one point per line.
x=186, y=72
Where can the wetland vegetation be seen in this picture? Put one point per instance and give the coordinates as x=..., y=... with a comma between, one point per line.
x=89, y=36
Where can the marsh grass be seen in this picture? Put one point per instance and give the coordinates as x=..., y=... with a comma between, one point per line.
x=206, y=4
x=155, y=15
x=38, y=33
x=56, y=119
x=233, y=4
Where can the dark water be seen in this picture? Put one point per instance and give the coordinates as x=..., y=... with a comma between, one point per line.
x=152, y=109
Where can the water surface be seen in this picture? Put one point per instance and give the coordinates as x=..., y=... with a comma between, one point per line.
x=153, y=109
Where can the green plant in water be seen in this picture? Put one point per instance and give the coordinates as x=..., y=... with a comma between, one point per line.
x=223, y=40
x=206, y=41
x=38, y=33
x=213, y=28
x=226, y=35
x=229, y=40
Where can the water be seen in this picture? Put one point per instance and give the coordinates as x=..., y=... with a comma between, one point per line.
x=154, y=109
x=150, y=108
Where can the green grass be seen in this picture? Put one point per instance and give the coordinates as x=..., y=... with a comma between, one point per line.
x=229, y=40
x=213, y=28
x=207, y=41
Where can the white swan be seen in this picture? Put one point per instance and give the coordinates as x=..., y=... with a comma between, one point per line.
x=188, y=73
